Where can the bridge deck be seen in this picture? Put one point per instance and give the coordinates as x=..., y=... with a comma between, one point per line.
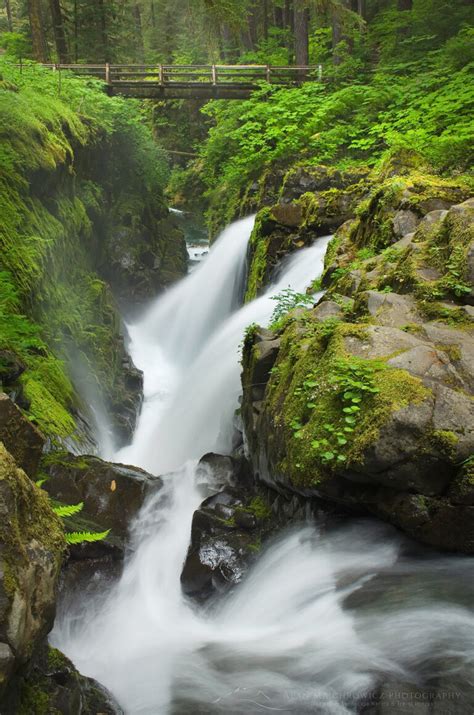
x=192, y=81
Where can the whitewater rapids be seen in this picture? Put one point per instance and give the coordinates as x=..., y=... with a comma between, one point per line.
x=322, y=619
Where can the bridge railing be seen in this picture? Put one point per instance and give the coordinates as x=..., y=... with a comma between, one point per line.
x=192, y=75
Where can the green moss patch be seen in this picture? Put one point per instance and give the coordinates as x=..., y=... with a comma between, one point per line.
x=329, y=404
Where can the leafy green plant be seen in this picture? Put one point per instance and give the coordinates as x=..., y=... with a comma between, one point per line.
x=68, y=510
x=353, y=380
x=65, y=511
x=82, y=537
x=287, y=300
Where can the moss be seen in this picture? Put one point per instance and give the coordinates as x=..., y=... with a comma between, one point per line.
x=434, y=310
x=258, y=256
x=34, y=699
x=258, y=507
x=257, y=272
x=56, y=660
x=32, y=520
x=307, y=407
x=256, y=546
x=445, y=441
x=452, y=351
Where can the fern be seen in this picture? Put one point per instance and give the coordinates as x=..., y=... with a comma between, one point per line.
x=68, y=509
x=81, y=537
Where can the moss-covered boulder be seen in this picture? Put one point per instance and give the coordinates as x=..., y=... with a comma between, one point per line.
x=365, y=415
x=31, y=551
x=51, y=685
x=24, y=442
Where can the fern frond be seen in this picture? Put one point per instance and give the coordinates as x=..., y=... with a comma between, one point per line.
x=68, y=509
x=39, y=483
x=81, y=537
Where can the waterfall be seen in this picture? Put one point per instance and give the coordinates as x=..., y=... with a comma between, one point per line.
x=197, y=417
x=313, y=626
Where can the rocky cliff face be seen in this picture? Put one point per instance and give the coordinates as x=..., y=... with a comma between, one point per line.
x=86, y=238
x=366, y=399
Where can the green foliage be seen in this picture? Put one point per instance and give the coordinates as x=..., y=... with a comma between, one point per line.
x=419, y=96
x=83, y=537
x=49, y=293
x=64, y=510
x=354, y=380
x=287, y=300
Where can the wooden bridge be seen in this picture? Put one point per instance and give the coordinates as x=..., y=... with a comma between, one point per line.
x=191, y=81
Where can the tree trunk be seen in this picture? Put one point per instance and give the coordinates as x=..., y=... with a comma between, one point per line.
x=301, y=13
x=152, y=14
x=404, y=5
x=76, y=33
x=362, y=8
x=38, y=41
x=139, y=31
x=265, y=19
x=58, y=30
x=8, y=9
x=103, y=30
x=278, y=17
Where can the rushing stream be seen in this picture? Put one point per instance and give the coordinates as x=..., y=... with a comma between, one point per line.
x=323, y=618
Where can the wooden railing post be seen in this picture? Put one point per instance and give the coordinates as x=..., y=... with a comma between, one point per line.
x=268, y=73
x=320, y=73
x=214, y=75
x=160, y=75
x=107, y=73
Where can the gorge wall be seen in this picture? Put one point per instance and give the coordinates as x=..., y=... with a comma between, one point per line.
x=85, y=233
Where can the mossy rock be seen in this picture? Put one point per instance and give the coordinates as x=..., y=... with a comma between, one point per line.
x=51, y=685
x=32, y=545
x=351, y=411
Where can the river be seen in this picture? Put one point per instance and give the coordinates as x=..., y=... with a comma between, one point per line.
x=323, y=618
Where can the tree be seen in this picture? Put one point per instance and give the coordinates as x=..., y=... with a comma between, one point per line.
x=301, y=21
x=38, y=40
x=8, y=9
x=404, y=5
x=58, y=30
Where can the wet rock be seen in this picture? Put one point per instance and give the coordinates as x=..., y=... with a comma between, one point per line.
x=381, y=341
x=52, y=682
x=112, y=495
x=266, y=350
x=226, y=534
x=430, y=364
x=144, y=257
x=457, y=344
x=31, y=552
x=24, y=442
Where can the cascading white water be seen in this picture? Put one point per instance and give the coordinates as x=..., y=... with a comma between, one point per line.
x=297, y=635
x=198, y=418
